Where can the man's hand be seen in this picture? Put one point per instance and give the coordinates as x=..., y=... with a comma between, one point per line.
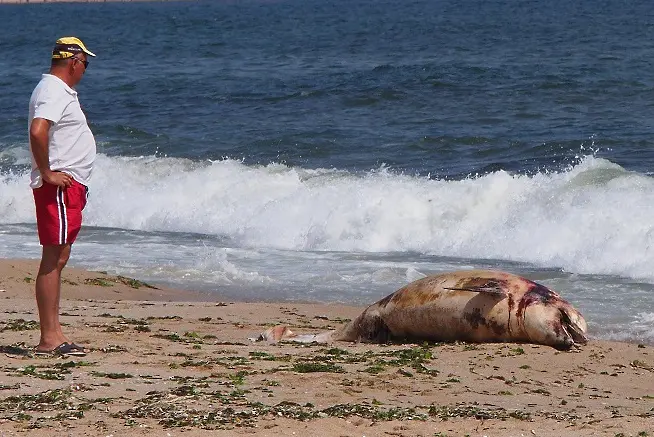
x=57, y=178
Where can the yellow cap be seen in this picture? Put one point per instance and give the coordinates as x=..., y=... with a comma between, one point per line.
x=67, y=46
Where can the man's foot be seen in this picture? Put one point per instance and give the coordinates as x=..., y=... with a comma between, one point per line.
x=63, y=350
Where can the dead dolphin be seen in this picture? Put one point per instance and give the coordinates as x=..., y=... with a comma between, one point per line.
x=469, y=305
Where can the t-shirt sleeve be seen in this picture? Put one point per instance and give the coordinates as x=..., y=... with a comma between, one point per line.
x=49, y=106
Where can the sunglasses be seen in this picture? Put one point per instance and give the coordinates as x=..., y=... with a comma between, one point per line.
x=86, y=63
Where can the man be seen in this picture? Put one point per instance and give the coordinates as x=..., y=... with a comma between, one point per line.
x=63, y=151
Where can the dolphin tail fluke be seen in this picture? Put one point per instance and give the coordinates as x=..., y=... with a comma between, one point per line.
x=283, y=333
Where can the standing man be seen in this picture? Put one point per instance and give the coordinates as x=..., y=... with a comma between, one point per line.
x=63, y=150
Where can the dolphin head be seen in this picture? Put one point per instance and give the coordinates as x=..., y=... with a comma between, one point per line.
x=555, y=323
x=573, y=324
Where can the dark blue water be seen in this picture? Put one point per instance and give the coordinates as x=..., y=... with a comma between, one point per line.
x=441, y=87
x=333, y=150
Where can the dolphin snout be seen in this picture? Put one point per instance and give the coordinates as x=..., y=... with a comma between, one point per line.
x=574, y=326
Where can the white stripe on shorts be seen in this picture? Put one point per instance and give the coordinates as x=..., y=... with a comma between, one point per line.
x=63, y=218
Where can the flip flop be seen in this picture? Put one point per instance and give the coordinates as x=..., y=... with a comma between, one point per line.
x=63, y=350
x=75, y=350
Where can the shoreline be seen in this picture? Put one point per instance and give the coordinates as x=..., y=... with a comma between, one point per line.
x=173, y=362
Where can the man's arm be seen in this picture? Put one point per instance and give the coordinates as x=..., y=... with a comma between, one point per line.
x=39, y=130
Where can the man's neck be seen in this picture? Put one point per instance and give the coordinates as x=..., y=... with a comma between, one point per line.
x=63, y=75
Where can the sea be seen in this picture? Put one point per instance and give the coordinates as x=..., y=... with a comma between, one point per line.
x=334, y=150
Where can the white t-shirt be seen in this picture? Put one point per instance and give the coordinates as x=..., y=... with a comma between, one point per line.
x=71, y=145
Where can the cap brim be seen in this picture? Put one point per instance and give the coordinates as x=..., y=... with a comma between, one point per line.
x=88, y=52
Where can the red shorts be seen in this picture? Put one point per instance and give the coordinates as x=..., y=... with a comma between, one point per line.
x=59, y=212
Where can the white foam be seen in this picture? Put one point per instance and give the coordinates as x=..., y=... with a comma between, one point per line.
x=16, y=204
x=593, y=218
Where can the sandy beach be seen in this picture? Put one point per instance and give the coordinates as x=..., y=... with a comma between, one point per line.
x=169, y=362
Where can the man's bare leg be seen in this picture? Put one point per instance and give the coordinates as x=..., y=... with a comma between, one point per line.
x=48, y=294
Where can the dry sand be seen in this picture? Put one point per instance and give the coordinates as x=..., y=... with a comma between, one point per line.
x=165, y=362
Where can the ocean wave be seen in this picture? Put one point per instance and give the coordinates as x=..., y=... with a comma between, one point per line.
x=593, y=218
